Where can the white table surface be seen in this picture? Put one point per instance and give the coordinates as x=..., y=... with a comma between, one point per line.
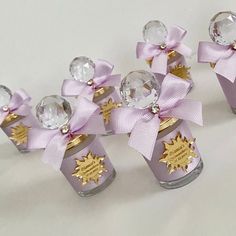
x=38, y=39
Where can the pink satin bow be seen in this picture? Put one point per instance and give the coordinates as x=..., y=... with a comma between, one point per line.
x=158, y=55
x=85, y=120
x=223, y=56
x=144, y=125
x=18, y=105
x=102, y=78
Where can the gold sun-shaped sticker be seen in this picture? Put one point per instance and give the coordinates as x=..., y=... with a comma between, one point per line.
x=106, y=109
x=178, y=154
x=90, y=168
x=19, y=134
x=181, y=71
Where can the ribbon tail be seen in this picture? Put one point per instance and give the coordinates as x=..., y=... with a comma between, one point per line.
x=226, y=67
x=55, y=151
x=102, y=68
x=159, y=64
x=186, y=110
x=143, y=136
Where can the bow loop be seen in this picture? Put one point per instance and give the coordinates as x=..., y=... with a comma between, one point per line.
x=223, y=56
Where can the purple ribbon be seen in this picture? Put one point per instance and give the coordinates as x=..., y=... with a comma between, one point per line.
x=18, y=105
x=85, y=120
x=102, y=78
x=144, y=125
x=159, y=55
x=223, y=56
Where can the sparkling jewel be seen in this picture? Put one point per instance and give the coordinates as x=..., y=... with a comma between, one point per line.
x=65, y=129
x=222, y=28
x=90, y=82
x=5, y=108
x=53, y=112
x=140, y=89
x=155, y=109
x=82, y=69
x=5, y=96
x=155, y=32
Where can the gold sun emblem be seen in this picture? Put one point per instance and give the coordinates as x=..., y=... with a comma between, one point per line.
x=19, y=134
x=181, y=71
x=106, y=109
x=178, y=154
x=90, y=168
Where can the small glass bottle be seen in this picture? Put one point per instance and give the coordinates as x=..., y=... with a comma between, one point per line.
x=86, y=164
x=156, y=33
x=175, y=160
x=94, y=81
x=18, y=117
x=222, y=31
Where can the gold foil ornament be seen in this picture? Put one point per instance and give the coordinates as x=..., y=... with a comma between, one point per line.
x=181, y=71
x=90, y=168
x=106, y=109
x=178, y=154
x=19, y=134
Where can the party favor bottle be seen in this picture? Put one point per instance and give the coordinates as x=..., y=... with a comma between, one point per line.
x=157, y=125
x=71, y=145
x=221, y=53
x=94, y=80
x=164, y=51
x=15, y=116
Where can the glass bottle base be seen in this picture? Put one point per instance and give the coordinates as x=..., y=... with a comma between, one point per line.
x=184, y=180
x=101, y=187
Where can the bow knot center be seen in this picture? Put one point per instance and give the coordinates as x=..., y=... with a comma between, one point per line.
x=163, y=46
x=155, y=109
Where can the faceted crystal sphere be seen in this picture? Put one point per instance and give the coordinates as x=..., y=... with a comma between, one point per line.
x=5, y=96
x=82, y=69
x=140, y=89
x=222, y=28
x=155, y=32
x=53, y=112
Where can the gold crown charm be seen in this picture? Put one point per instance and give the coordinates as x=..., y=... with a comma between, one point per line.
x=181, y=71
x=19, y=134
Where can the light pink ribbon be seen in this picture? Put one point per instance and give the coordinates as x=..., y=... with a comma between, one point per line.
x=18, y=105
x=102, y=78
x=144, y=125
x=223, y=56
x=159, y=56
x=85, y=120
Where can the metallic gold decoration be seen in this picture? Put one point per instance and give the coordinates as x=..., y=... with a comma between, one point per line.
x=101, y=91
x=181, y=71
x=167, y=123
x=76, y=141
x=178, y=154
x=10, y=118
x=171, y=55
x=212, y=65
x=19, y=134
x=106, y=109
x=90, y=168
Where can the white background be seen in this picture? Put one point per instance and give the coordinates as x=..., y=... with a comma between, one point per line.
x=38, y=39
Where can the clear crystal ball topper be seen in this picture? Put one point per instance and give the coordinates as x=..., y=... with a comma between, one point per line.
x=5, y=96
x=82, y=69
x=53, y=112
x=155, y=32
x=222, y=28
x=140, y=89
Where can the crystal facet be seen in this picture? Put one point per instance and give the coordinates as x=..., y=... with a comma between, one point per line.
x=53, y=112
x=222, y=28
x=5, y=96
x=155, y=32
x=140, y=89
x=82, y=69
